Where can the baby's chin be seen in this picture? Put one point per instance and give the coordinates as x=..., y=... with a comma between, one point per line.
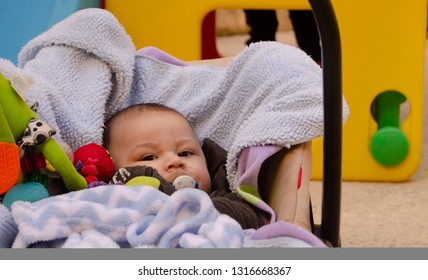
x=204, y=187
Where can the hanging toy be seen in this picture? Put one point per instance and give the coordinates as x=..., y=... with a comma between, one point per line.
x=94, y=163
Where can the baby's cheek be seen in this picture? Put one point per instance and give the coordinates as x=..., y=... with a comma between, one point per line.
x=205, y=183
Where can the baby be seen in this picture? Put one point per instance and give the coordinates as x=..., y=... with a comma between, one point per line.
x=159, y=137
x=155, y=140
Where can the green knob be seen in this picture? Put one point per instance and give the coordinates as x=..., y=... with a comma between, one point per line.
x=389, y=146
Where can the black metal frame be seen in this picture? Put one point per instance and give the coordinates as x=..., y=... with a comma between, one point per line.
x=328, y=30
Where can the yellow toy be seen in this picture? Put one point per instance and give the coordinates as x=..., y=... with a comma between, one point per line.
x=15, y=115
x=383, y=49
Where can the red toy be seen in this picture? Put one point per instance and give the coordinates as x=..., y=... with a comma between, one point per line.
x=94, y=163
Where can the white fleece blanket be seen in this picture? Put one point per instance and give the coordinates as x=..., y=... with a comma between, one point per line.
x=114, y=216
x=84, y=69
x=117, y=216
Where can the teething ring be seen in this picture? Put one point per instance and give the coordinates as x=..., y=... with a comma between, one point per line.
x=9, y=166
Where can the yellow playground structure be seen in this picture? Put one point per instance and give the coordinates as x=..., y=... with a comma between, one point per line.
x=383, y=49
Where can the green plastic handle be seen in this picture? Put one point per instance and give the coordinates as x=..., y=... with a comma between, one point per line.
x=389, y=146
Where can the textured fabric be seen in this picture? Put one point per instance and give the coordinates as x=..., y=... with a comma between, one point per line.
x=236, y=207
x=78, y=71
x=36, y=132
x=137, y=216
x=225, y=201
x=8, y=229
x=269, y=94
x=114, y=216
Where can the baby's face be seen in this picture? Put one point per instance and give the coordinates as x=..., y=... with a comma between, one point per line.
x=162, y=140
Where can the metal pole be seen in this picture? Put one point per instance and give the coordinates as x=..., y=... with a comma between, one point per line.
x=332, y=76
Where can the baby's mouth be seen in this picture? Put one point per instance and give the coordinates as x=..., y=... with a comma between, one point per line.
x=174, y=174
x=180, y=178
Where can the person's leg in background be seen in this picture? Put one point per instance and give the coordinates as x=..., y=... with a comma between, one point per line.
x=263, y=25
x=306, y=32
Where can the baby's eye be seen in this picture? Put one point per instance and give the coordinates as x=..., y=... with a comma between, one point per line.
x=148, y=158
x=185, y=154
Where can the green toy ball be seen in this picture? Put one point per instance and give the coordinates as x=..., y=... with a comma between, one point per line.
x=389, y=146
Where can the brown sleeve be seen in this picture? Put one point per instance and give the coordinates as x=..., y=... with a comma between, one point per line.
x=234, y=206
x=216, y=162
x=223, y=199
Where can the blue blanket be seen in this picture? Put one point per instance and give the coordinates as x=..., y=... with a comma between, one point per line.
x=117, y=216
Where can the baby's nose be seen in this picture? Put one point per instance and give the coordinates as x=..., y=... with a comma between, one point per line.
x=175, y=161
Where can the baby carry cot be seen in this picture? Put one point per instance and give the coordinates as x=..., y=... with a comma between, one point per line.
x=43, y=52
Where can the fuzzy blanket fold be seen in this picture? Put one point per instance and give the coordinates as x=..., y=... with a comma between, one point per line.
x=79, y=71
x=116, y=216
x=269, y=94
x=138, y=216
x=84, y=69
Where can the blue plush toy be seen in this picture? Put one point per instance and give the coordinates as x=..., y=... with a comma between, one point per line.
x=31, y=192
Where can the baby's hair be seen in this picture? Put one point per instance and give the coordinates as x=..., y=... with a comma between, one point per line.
x=133, y=111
